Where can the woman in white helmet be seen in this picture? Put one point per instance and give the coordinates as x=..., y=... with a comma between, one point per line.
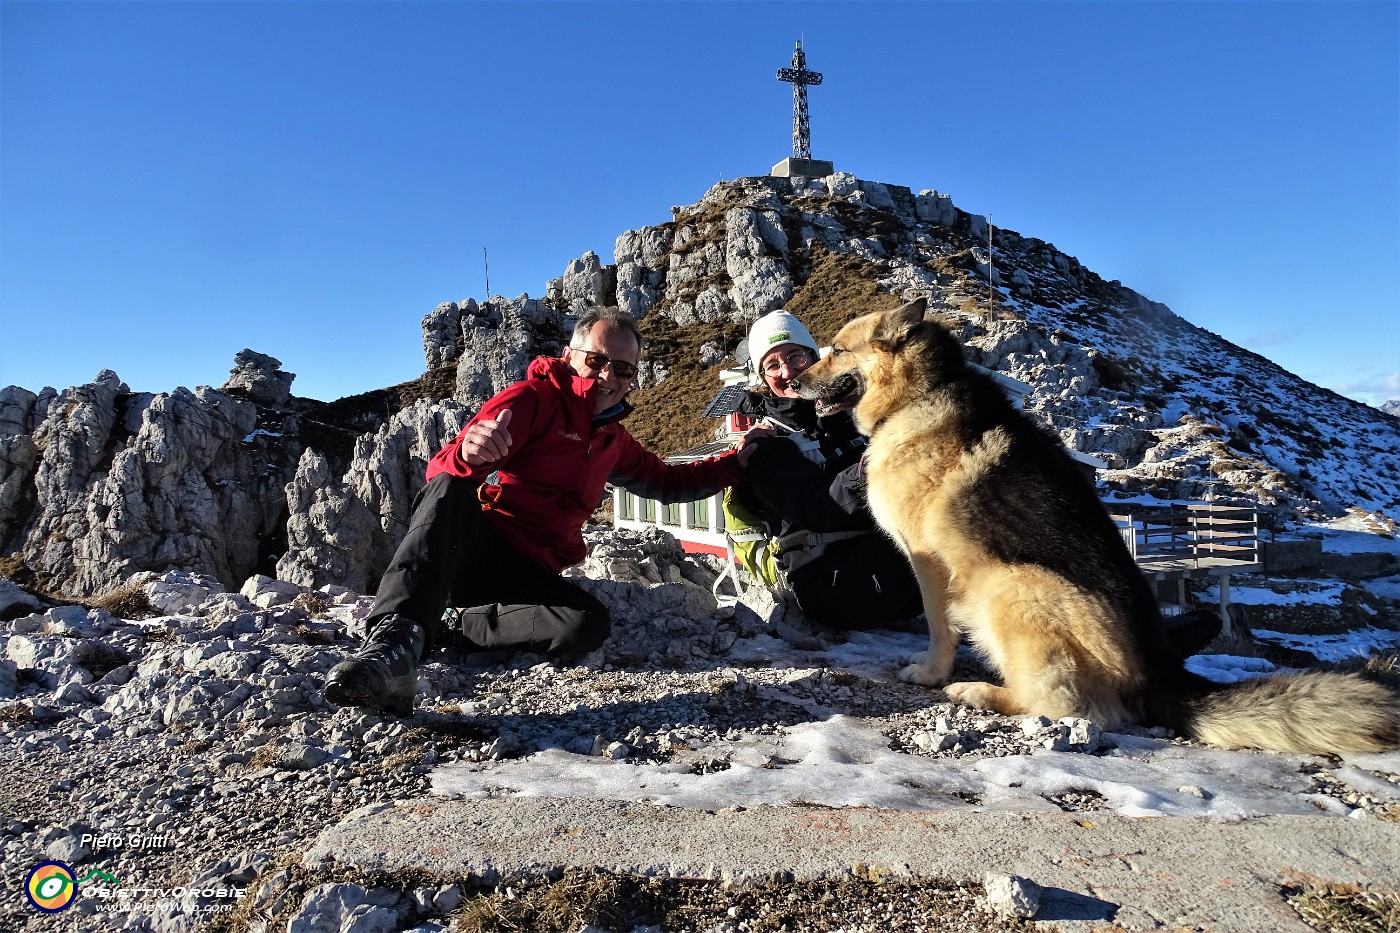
x=806, y=486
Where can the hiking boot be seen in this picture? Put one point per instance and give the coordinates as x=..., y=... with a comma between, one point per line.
x=383, y=674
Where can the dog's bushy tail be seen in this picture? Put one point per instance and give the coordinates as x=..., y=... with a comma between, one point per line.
x=1312, y=713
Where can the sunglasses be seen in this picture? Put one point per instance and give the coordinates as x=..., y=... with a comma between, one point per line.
x=595, y=360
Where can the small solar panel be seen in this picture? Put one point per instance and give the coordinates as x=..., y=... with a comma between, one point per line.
x=712, y=449
x=726, y=402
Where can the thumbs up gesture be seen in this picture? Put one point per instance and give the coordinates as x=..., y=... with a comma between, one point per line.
x=487, y=441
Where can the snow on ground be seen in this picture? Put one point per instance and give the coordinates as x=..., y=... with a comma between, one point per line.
x=846, y=761
x=1350, y=534
x=1334, y=648
x=1385, y=587
x=1310, y=593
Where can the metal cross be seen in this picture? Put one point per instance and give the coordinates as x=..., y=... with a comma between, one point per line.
x=799, y=77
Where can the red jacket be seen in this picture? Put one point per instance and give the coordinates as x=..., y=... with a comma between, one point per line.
x=551, y=480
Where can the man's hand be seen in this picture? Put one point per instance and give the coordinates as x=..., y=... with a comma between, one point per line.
x=487, y=441
x=747, y=444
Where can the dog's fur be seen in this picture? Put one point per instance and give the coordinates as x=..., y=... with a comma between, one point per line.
x=1011, y=545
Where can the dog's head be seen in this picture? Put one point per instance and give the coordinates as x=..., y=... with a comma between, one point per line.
x=875, y=362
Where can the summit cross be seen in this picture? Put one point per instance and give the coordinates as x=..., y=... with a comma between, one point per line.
x=799, y=77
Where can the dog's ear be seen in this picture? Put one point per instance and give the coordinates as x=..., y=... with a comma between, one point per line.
x=897, y=326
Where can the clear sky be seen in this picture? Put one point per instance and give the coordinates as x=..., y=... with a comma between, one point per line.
x=179, y=180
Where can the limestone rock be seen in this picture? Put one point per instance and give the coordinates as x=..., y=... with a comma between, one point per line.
x=346, y=907
x=755, y=252
x=111, y=482
x=442, y=333
x=641, y=256
x=937, y=209
x=586, y=283
x=19, y=458
x=344, y=532
x=15, y=601
x=329, y=529
x=499, y=342
x=1012, y=896
x=260, y=377
x=265, y=592
x=19, y=410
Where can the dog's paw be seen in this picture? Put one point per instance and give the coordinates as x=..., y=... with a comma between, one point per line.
x=917, y=673
x=970, y=693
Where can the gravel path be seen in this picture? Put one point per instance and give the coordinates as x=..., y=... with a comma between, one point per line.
x=191, y=759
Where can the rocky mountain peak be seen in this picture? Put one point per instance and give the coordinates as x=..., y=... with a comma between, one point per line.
x=1172, y=409
x=98, y=482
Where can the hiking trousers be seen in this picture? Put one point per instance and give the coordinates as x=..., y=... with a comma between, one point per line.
x=452, y=557
x=857, y=584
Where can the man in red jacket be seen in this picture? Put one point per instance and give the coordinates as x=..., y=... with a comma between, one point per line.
x=503, y=513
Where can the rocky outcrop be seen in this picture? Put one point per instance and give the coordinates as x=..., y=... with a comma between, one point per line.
x=344, y=531
x=110, y=482
x=20, y=412
x=442, y=332
x=641, y=255
x=1170, y=408
x=259, y=377
x=498, y=343
x=586, y=283
x=493, y=342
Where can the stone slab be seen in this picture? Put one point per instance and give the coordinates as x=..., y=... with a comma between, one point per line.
x=1094, y=867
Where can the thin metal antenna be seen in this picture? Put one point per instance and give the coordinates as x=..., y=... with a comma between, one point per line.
x=487, y=266
x=991, y=266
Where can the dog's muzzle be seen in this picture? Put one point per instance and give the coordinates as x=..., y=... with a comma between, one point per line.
x=834, y=396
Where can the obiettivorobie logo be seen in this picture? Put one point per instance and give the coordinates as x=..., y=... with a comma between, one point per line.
x=100, y=875
x=51, y=886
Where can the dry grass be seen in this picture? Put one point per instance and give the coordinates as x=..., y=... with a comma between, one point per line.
x=839, y=289
x=1381, y=666
x=870, y=900
x=1345, y=908
x=14, y=568
x=668, y=416
x=314, y=605
x=15, y=713
x=126, y=602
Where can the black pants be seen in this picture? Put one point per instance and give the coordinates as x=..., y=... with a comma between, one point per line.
x=452, y=557
x=859, y=583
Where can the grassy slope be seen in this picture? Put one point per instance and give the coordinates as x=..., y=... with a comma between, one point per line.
x=668, y=419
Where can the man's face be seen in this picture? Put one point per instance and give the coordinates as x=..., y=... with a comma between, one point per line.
x=618, y=346
x=781, y=365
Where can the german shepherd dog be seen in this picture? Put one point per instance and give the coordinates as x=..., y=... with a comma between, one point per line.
x=1011, y=545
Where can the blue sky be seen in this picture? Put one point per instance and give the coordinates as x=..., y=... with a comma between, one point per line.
x=179, y=180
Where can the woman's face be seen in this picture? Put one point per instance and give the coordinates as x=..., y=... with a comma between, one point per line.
x=781, y=365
